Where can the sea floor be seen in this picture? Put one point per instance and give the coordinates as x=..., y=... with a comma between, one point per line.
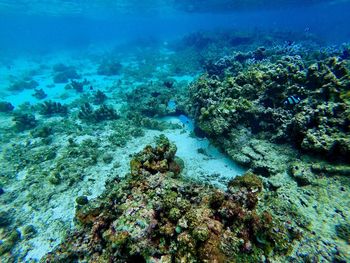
x=41, y=180
x=30, y=200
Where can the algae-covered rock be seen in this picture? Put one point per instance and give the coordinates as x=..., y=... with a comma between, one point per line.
x=82, y=200
x=302, y=173
x=145, y=214
x=259, y=98
x=343, y=231
x=9, y=242
x=28, y=231
x=5, y=218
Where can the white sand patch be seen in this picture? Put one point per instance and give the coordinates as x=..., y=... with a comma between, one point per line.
x=211, y=165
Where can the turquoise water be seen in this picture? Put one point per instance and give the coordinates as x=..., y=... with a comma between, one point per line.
x=252, y=98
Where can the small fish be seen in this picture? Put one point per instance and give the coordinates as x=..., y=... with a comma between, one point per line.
x=292, y=100
x=307, y=29
x=171, y=105
x=184, y=119
x=186, y=122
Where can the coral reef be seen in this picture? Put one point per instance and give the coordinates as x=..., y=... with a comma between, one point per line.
x=255, y=98
x=20, y=85
x=153, y=215
x=286, y=118
x=275, y=102
x=149, y=100
x=99, y=97
x=39, y=94
x=153, y=99
x=24, y=121
x=9, y=242
x=109, y=67
x=49, y=108
x=78, y=86
x=63, y=73
x=151, y=123
x=103, y=113
x=6, y=106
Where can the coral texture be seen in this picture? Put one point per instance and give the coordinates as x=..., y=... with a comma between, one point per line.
x=154, y=215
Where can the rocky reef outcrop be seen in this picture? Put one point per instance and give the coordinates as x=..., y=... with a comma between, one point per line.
x=291, y=99
x=155, y=215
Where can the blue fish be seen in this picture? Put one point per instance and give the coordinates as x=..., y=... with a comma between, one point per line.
x=291, y=100
x=171, y=105
x=186, y=122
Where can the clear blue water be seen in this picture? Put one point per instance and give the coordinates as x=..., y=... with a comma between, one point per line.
x=45, y=25
x=140, y=41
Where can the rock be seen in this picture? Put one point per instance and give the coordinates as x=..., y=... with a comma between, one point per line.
x=28, y=231
x=331, y=170
x=82, y=200
x=5, y=218
x=302, y=174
